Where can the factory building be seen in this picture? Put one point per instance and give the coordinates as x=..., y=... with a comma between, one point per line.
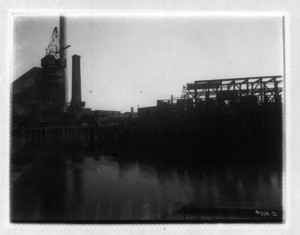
x=27, y=95
x=252, y=101
x=39, y=94
x=27, y=88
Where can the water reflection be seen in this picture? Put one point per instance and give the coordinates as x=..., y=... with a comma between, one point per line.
x=76, y=186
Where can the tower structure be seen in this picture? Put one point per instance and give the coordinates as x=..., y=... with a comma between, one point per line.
x=53, y=73
x=76, y=102
x=63, y=54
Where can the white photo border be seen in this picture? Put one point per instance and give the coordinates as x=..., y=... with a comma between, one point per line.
x=155, y=227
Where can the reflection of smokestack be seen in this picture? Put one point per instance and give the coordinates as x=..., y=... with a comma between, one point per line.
x=63, y=54
x=76, y=81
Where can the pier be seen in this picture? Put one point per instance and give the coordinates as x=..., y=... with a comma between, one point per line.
x=236, y=145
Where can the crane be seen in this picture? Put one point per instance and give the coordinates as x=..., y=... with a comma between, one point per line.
x=184, y=94
x=53, y=47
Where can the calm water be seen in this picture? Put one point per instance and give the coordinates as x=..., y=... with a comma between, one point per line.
x=75, y=186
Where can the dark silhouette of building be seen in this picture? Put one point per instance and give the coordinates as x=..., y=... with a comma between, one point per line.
x=53, y=78
x=27, y=94
x=253, y=101
x=39, y=94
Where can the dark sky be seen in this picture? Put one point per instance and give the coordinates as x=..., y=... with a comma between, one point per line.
x=128, y=61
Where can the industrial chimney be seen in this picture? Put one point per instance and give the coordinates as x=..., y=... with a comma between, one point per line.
x=76, y=83
x=63, y=54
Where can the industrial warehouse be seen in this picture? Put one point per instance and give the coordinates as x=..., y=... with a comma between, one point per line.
x=217, y=123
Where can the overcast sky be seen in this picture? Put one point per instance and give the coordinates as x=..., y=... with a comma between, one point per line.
x=131, y=61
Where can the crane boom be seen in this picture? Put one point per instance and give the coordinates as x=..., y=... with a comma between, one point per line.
x=62, y=49
x=53, y=46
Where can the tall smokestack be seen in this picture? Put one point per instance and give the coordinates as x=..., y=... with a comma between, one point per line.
x=76, y=81
x=63, y=54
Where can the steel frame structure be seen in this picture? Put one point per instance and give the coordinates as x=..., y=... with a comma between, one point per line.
x=266, y=88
